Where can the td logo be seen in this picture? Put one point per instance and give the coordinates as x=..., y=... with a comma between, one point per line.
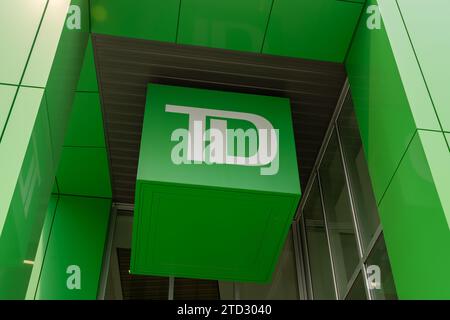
x=219, y=144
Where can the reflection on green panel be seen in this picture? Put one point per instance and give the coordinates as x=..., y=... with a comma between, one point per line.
x=26, y=167
x=384, y=116
x=415, y=213
x=64, y=76
x=319, y=29
x=432, y=48
x=41, y=58
x=146, y=19
x=73, y=260
x=231, y=24
x=42, y=248
x=415, y=88
x=33, y=134
x=22, y=17
x=15, y=141
x=84, y=171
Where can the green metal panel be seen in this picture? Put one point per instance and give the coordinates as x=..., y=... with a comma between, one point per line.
x=415, y=88
x=86, y=124
x=30, y=139
x=84, y=171
x=42, y=248
x=64, y=77
x=6, y=99
x=19, y=21
x=432, y=49
x=15, y=143
x=88, y=76
x=146, y=19
x=44, y=49
x=77, y=238
x=214, y=221
x=415, y=213
x=407, y=154
x=387, y=115
x=232, y=24
x=319, y=29
x=26, y=168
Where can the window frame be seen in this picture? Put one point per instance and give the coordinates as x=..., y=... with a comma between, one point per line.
x=304, y=271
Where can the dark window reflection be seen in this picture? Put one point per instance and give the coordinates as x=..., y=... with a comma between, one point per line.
x=366, y=207
x=381, y=287
x=339, y=214
x=318, y=252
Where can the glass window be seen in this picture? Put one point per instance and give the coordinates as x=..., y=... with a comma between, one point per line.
x=366, y=207
x=317, y=247
x=339, y=214
x=358, y=291
x=345, y=188
x=379, y=273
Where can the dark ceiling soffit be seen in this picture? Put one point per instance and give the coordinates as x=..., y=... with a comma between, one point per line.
x=125, y=66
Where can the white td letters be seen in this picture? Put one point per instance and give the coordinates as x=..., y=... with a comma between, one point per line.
x=221, y=147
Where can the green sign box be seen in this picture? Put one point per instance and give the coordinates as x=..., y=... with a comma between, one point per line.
x=217, y=184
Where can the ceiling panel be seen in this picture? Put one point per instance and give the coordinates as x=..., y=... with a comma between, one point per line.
x=137, y=286
x=126, y=66
x=196, y=289
x=146, y=19
x=231, y=24
x=157, y=288
x=318, y=29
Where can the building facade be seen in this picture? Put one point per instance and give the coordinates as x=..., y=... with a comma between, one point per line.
x=358, y=207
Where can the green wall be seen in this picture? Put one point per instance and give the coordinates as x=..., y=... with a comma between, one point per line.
x=398, y=74
x=78, y=214
x=40, y=70
x=397, y=77
x=84, y=168
x=74, y=234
